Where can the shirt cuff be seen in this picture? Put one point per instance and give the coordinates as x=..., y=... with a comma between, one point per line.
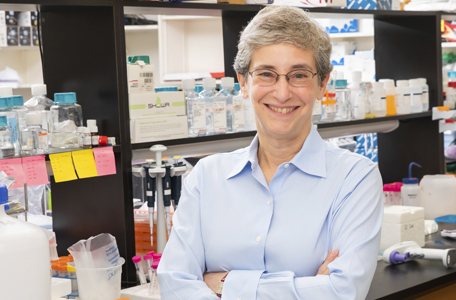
x=241, y=285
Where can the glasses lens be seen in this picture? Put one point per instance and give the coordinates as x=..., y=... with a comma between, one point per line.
x=264, y=77
x=300, y=77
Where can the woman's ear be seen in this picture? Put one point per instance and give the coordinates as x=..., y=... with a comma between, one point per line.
x=322, y=88
x=243, y=85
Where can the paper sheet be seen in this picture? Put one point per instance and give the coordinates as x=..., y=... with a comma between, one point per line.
x=105, y=161
x=35, y=170
x=62, y=166
x=13, y=167
x=84, y=163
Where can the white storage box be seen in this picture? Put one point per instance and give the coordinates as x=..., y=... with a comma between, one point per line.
x=158, y=129
x=160, y=104
x=400, y=224
x=312, y=3
x=140, y=78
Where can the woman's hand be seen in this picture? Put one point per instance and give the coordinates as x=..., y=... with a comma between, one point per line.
x=212, y=279
x=332, y=255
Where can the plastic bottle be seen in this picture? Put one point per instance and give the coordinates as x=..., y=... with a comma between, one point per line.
x=354, y=85
x=238, y=109
x=437, y=195
x=416, y=93
x=328, y=107
x=208, y=95
x=403, y=97
x=410, y=191
x=34, y=137
x=196, y=109
x=378, y=99
x=24, y=257
x=39, y=101
x=6, y=138
x=343, y=106
x=365, y=91
x=94, y=135
x=450, y=95
x=391, y=106
x=6, y=110
x=359, y=111
x=249, y=114
x=425, y=95
x=66, y=117
x=20, y=109
x=316, y=111
x=226, y=95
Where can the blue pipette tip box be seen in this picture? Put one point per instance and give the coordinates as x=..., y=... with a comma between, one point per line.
x=446, y=219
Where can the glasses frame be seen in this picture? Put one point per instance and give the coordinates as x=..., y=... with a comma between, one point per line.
x=286, y=75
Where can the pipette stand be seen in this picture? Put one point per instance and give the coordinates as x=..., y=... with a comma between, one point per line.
x=158, y=173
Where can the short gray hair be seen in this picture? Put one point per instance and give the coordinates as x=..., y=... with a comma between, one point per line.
x=284, y=24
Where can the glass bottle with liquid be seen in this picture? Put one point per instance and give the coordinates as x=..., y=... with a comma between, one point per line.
x=66, y=117
x=196, y=109
x=238, y=109
x=6, y=138
x=365, y=91
x=6, y=105
x=226, y=95
x=343, y=106
x=208, y=94
x=34, y=138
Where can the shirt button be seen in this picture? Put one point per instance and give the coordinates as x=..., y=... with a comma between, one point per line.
x=269, y=202
x=286, y=165
x=258, y=238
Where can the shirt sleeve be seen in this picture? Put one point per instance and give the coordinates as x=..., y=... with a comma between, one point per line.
x=355, y=227
x=181, y=268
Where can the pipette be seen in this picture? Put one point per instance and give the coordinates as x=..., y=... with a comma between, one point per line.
x=179, y=168
x=139, y=269
x=167, y=196
x=150, y=186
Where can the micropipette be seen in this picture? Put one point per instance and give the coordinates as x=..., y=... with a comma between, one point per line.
x=139, y=270
x=178, y=169
x=150, y=202
x=167, y=196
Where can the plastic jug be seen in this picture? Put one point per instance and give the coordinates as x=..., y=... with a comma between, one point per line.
x=24, y=258
x=438, y=195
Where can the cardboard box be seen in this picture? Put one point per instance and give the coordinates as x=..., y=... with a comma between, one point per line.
x=11, y=18
x=12, y=35
x=339, y=25
x=161, y=104
x=3, y=38
x=140, y=78
x=158, y=129
x=28, y=18
x=25, y=36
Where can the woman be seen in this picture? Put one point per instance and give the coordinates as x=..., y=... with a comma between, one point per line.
x=261, y=220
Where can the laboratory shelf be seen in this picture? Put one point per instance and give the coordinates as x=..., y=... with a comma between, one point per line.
x=17, y=48
x=115, y=149
x=137, y=28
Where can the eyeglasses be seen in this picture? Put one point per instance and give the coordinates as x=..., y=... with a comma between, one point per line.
x=296, y=78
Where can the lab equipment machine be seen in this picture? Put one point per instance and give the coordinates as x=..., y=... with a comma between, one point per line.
x=407, y=251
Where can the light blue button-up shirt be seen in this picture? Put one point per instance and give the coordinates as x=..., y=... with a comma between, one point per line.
x=273, y=238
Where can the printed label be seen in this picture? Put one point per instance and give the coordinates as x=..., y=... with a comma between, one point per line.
x=238, y=107
x=12, y=124
x=416, y=99
x=95, y=140
x=149, y=193
x=167, y=192
x=43, y=141
x=219, y=109
x=383, y=103
x=199, y=116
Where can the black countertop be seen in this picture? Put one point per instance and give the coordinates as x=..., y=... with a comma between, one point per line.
x=415, y=277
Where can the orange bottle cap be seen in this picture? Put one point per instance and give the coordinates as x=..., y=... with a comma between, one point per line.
x=62, y=268
x=54, y=266
x=443, y=108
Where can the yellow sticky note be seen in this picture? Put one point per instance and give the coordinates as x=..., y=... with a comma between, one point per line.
x=62, y=166
x=84, y=163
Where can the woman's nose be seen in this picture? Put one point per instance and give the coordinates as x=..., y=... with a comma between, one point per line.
x=282, y=89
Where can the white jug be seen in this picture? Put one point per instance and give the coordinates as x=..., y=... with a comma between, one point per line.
x=438, y=195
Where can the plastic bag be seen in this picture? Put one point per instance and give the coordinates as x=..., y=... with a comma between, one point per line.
x=97, y=252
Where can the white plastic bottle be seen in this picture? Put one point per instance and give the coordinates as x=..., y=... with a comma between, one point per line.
x=316, y=111
x=391, y=106
x=403, y=97
x=354, y=85
x=378, y=102
x=410, y=191
x=196, y=109
x=425, y=95
x=226, y=94
x=359, y=111
x=34, y=138
x=238, y=110
x=208, y=95
x=450, y=96
x=416, y=93
x=24, y=257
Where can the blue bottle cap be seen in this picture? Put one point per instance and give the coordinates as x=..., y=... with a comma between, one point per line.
x=17, y=100
x=237, y=87
x=452, y=74
x=341, y=83
x=173, y=89
x=65, y=98
x=199, y=88
x=5, y=102
x=3, y=121
x=3, y=194
x=159, y=89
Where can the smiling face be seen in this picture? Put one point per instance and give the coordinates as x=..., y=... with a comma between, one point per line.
x=282, y=110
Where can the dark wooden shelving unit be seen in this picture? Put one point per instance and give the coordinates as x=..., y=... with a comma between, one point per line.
x=84, y=51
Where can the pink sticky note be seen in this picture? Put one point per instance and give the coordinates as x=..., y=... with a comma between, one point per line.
x=13, y=167
x=35, y=170
x=105, y=161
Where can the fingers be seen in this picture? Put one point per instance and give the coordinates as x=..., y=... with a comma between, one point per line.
x=330, y=257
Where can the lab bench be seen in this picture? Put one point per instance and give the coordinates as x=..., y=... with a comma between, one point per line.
x=419, y=279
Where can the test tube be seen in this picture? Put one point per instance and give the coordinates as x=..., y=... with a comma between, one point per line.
x=62, y=270
x=74, y=283
x=139, y=269
x=148, y=258
x=55, y=271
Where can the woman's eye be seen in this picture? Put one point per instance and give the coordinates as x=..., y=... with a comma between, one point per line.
x=301, y=75
x=266, y=74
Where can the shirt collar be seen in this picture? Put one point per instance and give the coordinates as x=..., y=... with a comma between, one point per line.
x=310, y=159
